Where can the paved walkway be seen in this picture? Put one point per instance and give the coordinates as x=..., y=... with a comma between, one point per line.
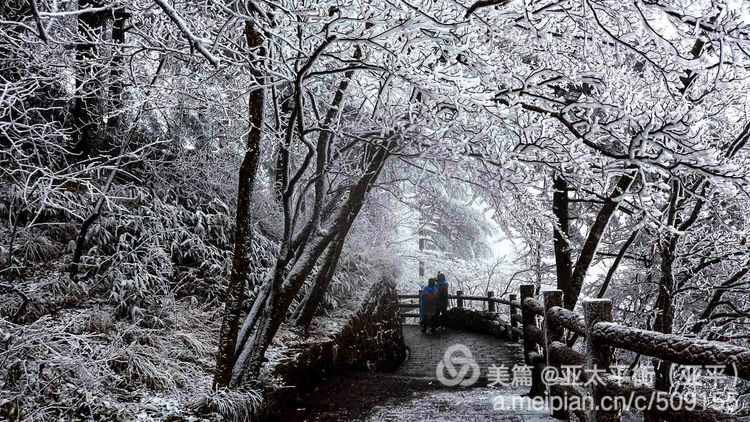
x=427, y=350
x=414, y=394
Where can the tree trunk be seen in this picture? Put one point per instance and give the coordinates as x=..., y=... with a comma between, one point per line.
x=281, y=167
x=561, y=234
x=313, y=299
x=592, y=240
x=88, y=77
x=243, y=229
x=281, y=293
x=664, y=312
x=274, y=308
x=280, y=164
x=116, y=84
x=664, y=309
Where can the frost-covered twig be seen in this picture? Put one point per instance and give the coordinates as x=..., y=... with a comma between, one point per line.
x=484, y=3
x=38, y=20
x=195, y=42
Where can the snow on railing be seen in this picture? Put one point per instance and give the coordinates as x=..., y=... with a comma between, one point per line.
x=543, y=333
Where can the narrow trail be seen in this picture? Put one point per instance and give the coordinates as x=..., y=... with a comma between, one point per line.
x=413, y=392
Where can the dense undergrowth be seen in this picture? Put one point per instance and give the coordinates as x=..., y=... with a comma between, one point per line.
x=84, y=364
x=134, y=335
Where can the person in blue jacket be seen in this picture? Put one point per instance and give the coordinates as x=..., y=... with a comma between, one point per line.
x=428, y=305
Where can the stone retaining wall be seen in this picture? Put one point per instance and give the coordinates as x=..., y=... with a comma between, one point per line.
x=366, y=338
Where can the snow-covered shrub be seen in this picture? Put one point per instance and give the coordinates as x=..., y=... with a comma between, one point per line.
x=143, y=254
x=37, y=247
x=100, y=322
x=85, y=365
x=141, y=364
x=232, y=405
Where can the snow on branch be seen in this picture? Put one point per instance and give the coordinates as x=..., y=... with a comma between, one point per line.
x=195, y=42
x=485, y=3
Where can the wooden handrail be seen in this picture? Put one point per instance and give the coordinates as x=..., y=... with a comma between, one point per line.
x=567, y=319
x=535, y=307
x=560, y=354
x=674, y=348
x=543, y=343
x=475, y=298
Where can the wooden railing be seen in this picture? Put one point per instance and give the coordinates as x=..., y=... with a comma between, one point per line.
x=544, y=326
x=460, y=302
x=544, y=345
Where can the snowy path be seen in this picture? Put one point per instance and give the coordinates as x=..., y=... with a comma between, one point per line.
x=413, y=393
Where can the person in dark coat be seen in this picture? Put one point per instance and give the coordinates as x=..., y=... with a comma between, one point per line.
x=428, y=305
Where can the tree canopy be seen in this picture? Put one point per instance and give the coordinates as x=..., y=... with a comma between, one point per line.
x=258, y=150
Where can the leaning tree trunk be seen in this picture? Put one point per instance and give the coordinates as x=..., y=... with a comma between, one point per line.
x=594, y=238
x=243, y=230
x=313, y=299
x=310, y=303
x=273, y=310
x=325, y=137
x=284, y=289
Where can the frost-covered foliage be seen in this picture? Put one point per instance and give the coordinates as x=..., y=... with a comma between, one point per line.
x=121, y=137
x=358, y=269
x=140, y=248
x=451, y=222
x=232, y=405
x=605, y=139
x=86, y=364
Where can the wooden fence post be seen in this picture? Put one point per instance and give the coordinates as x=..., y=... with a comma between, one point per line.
x=598, y=355
x=553, y=332
x=530, y=351
x=459, y=299
x=513, y=312
x=490, y=302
